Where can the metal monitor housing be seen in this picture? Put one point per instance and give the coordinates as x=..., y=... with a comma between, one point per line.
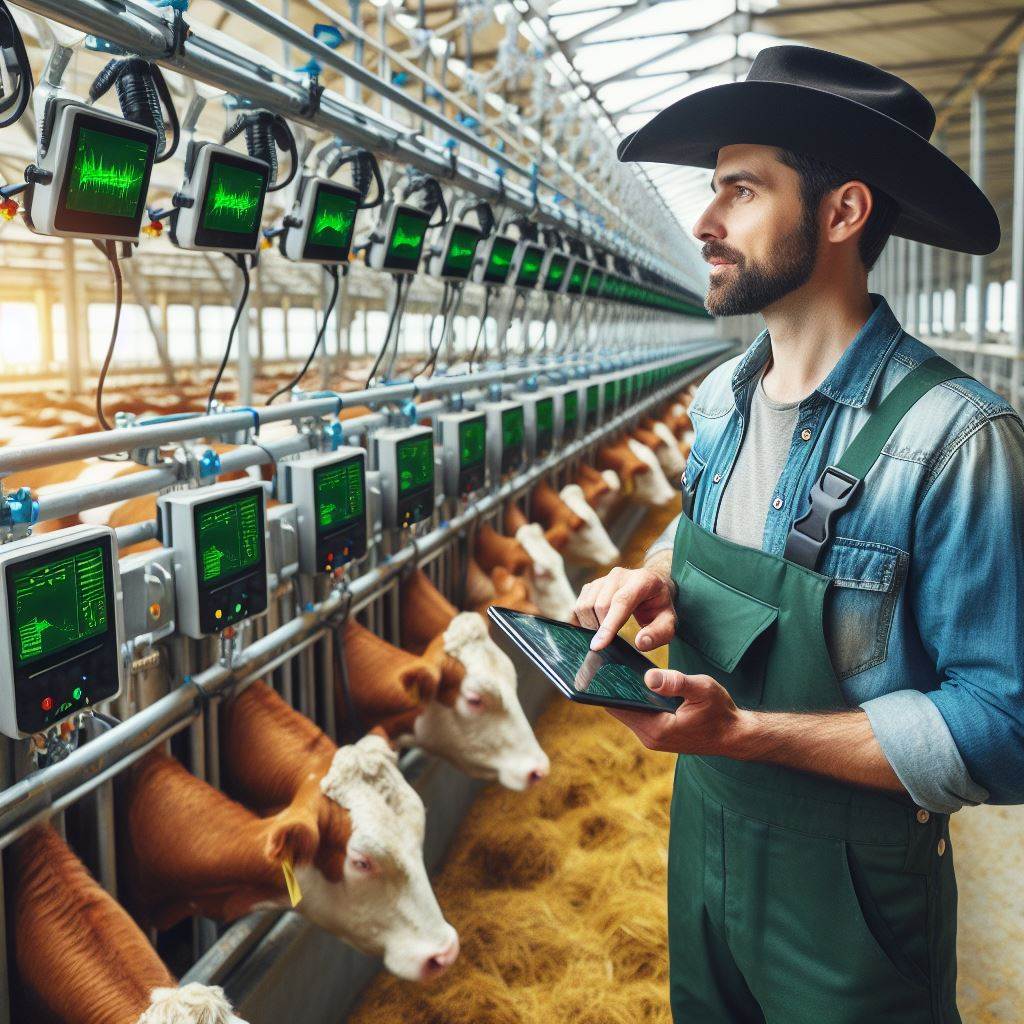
x=460, y=481
x=402, y=510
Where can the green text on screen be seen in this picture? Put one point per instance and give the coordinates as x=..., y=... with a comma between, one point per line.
x=228, y=537
x=339, y=494
x=415, y=463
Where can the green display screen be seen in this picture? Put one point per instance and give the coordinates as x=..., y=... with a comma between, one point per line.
x=545, y=413
x=331, y=224
x=58, y=604
x=556, y=272
x=611, y=395
x=107, y=174
x=529, y=267
x=593, y=399
x=499, y=261
x=576, y=278
x=228, y=537
x=570, y=408
x=458, y=260
x=472, y=442
x=234, y=198
x=594, y=283
x=406, y=242
x=339, y=494
x=513, y=427
x=415, y=463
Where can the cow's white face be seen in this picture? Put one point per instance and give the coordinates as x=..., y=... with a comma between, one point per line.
x=651, y=487
x=190, y=1004
x=485, y=733
x=384, y=904
x=551, y=590
x=669, y=455
x=606, y=502
x=589, y=544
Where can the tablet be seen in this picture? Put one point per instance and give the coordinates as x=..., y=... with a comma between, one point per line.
x=613, y=677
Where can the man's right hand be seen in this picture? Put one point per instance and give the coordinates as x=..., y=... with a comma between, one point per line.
x=647, y=594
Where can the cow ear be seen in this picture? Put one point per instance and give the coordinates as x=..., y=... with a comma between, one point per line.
x=293, y=836
x=379, y=730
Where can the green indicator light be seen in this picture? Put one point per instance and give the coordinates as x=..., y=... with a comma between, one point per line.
x=59, y=603
x=339, y=494
x=228, y=537
x=238, y=608
x=76, y=693
x=234, y=198
x=415, y=463
x=472, y=441
x=106, y=174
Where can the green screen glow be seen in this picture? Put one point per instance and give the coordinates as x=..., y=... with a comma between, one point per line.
x=228, y=537
x=513, y=428
x=406, y=242
x=593, y=397
x=106, y=174
x=500, y=260
x=545, y=413
x=472, y=438
x=529, y=269
x=575, y=285
x=234, y=198
x=415, y=463
x=339, y=494
x=334, y=217
x=59, y=603
x=556, y=272
x=458, y=261
x=570, y=408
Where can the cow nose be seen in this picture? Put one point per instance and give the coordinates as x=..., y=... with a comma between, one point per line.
x=536, y=774
x=436, y=965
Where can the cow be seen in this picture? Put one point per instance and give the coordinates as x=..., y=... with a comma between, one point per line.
x=474, y=720
x=80, y=957
x=602, y=488
x=351, y=835
x=652, y=487
x=667, y=448
x=590, y=544
x=497, y=588
x=493, y=549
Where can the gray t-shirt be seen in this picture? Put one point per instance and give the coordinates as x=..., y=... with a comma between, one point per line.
x=751, y=485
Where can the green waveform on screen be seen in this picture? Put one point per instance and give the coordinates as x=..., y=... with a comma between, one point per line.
x=402, y=239
x=326, y=221
x=237, y=204
x=458, y=252
x=95, y=175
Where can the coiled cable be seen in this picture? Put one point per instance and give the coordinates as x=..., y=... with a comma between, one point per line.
x=144, y=98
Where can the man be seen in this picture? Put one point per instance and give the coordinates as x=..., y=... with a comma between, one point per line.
x=843, y=594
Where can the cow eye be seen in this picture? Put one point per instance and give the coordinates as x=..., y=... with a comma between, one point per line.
x=474, y=701
x=361, y=863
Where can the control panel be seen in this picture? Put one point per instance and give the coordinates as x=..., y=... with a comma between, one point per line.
x=399, y=247
x=567, y=413
x=100, y=167
x=320, y=231
x=329, y=490
x=218, y=535
x=495, y=262
x=539, y=421
x=227, y=190
x=463, y=438
x=506, y=438
x=405, y=458
x=61, y=650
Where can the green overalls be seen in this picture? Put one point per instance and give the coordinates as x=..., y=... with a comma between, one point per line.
x=793, y=898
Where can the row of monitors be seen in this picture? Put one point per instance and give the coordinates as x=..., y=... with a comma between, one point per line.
x=61, y=593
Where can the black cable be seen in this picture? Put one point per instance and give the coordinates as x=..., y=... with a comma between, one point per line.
x=447, y=301
x=109, y=249
x=143, y=95
x=239, y=261
x=265, y=133
x=10, y=38
x=328, y=309
x=483, y=324
x=399, y=283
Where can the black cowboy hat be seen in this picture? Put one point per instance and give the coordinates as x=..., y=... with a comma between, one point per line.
x=846, y=113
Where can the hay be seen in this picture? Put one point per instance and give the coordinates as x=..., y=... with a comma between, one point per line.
x=558, y=893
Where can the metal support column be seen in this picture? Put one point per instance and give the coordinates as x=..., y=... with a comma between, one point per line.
x=978, y=262
x=1017, y=239
x=72, y=318
x=44, y=318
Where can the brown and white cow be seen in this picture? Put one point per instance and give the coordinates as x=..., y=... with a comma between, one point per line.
x=351, y=831
x=497, y=588
x=81, y=959
x=652, y=487
x=591, y=543
x=474, y=720
x=493, y=549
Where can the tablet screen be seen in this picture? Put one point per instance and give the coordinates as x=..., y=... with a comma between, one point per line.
x=563, y=651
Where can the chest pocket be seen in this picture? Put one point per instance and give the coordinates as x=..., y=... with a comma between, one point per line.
x=691, y=476
x=859, y=604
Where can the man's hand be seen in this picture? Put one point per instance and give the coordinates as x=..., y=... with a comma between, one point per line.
x=607, y=603
x=707, y=722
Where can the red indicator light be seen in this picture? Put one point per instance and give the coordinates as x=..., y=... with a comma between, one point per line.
x=330, y=556
x=46, y=703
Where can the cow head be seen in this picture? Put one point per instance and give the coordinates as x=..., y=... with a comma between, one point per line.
x=591, y=543
x=483, y=730
x=669, y=454
x=551, y=590
x=376, y=895
x=190, y=1004
x=651, y=487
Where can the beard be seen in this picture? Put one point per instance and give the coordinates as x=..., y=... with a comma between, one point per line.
x=755, y=285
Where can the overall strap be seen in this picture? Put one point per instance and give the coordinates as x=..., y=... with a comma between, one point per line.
x=840, y=483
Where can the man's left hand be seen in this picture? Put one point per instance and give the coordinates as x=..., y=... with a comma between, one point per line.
x=707, y=722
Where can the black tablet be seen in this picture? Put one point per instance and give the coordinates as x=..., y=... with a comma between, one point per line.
x=613, y=677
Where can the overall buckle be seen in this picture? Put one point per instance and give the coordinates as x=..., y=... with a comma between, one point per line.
x=832, y=492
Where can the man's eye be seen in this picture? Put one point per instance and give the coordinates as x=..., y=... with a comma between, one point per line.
x=743, y=188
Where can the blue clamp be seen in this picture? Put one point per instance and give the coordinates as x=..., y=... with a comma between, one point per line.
x=334, y=435
x=249, y=409
x=530, y=383
x=399, y=77
x=181, y=6
x=100, y=45
x=329, y=35
x=19, y=508
x=312, y=67
x=209, y=464
x=494, y=391
x=408, y=410
x=456, y=402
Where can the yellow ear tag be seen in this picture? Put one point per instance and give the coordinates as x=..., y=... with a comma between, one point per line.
x=294, y=892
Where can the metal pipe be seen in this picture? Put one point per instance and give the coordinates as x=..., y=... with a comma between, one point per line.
x=1017, y=238
x=978, y=262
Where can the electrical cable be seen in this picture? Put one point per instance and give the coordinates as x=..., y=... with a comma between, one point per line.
x=143, y=95
x=447, y=299
x=109, y=249
x=10, y=38
x=239, y=262
x=399, y=283
x=332, y=272
x=265, y=133
x=483, y=324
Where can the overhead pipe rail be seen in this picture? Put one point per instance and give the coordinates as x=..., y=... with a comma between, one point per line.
x=151, y=36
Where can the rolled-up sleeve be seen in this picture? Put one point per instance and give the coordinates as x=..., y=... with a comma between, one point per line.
x=963, y=742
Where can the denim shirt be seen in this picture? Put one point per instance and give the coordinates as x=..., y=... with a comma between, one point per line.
x=924, y=620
